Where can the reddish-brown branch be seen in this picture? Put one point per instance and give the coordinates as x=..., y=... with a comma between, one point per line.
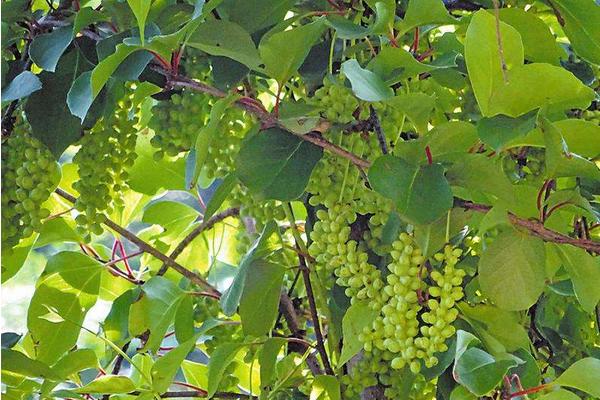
x=534, y=389
x=538, y=229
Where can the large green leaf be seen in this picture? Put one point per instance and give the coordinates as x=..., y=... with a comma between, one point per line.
x=17, y=365
x=325, y=387
x=70, y=286
x=357, y=317
x=260, y=297
x=511, y=270
x=366, y=84
x=538, y=42
x=284, y=52
x=254, y=15
x=225, y=38
x=275, y=164
x=510, y=92
x=46, y=49
x=582, y=375
x=267, y=358
x=584, y=270
x=411, y=187
x=394, y=64
x=581, y=19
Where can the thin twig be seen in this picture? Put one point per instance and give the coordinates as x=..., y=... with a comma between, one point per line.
x=378, y=131
x=205, y=225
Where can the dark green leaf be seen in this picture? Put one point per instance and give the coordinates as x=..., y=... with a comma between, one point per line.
x=220, y=195
x=46, y=49
x=479, y=372
x=18, y=364
x=164, y=369
x=260, y=297
x=275, y=164
x=581, y=20
x=267, y=359
x=584, y=270
x=411, y=186
x=499, y=130
x=284, y=52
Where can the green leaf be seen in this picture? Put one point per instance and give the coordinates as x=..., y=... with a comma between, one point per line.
x=225, y=38
x=231, y=297
x=116, y=324
x=220, y=195
x=220, y=359
x=255, y=15
x=164, y=369
x=432, y=237
x=70, y=286
x=325, y=387
x=424, y=12
x=582, y=375
x=260, y=298
x=267, y=358
x=366, y=84
x=149, y=176
x=346, y=29
x=479, y=372
x=18, y=365
x=538, y=41
x=528, y=372
x=275, y=164
x=500, y=129
x=511, y=270
x=503, y=325
x=46, y=49
x=581, y=20
x=74, y=362
x=411, y=186
x=560, y=394
x=195, y=373
x=584, y=271
x=284, y=52
x=108, y=384
x=12, y=263
x=107, y=67
x=511, y=93
x=174, y=217
x=10, y=339
x=394, y=64
x=21, y=86
x=87, y=16
x=140, y=9
x=184, y=320
x=155, y=311
x=579, y=135
x=47, y=111
x=208, y=134
x=357, y=317
x=79, y=97
x=483, y=58
x=416, y=106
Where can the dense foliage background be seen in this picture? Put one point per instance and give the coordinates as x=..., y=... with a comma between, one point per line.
x=284, y=199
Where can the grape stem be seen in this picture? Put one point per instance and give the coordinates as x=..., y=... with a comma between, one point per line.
x=142, y=245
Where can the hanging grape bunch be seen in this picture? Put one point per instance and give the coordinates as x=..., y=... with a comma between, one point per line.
x=29, y=175
x=106, y=152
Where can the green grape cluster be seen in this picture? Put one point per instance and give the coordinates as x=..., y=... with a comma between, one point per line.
x=421, y=388
x=336, y=181
x=442, y=312
x=29, y=175
x=176, y=122
x=336, y=100
x=222, y=151
x=106, y=152
x=362, y=374
x=391, y=119
x=446, y=99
